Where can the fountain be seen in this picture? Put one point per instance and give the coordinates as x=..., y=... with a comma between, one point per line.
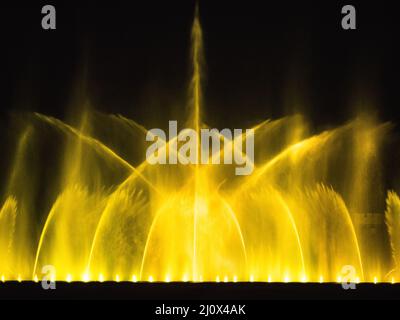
x=80, y=196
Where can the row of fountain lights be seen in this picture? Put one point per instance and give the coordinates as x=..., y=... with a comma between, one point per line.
x=226, y=279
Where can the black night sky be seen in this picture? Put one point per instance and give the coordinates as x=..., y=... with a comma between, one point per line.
x=263, y=59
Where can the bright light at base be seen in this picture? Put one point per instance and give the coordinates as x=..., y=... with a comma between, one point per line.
x=86, y=277
x=285, y=278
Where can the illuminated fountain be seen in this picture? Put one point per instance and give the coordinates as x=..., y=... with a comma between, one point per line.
x=81, y=197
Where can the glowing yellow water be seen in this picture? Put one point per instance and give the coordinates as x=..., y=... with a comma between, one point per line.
x=110, y=219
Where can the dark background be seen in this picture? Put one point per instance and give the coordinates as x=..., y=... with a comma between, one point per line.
x=264, y=59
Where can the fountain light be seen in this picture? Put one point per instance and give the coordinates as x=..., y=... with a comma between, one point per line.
x=185, y=278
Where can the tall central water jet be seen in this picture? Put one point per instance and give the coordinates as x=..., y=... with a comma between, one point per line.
x=197, y=55
x=197, y=62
